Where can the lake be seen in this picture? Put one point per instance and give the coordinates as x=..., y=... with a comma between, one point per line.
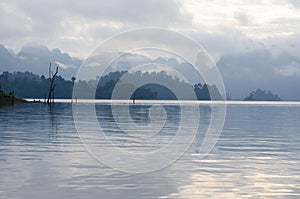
x=257, y=154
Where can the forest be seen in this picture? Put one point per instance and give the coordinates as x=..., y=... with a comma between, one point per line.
x=29, y=85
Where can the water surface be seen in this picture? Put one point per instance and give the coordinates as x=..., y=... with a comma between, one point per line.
x=256, y=156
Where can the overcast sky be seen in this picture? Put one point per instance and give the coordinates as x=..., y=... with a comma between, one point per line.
x=234, y=28
x=77, y=26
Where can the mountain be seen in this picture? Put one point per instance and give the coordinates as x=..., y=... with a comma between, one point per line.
x=36, y=59
x=6, y=58
x=241, y=73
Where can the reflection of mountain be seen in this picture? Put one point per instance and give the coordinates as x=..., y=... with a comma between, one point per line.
x=262, y=95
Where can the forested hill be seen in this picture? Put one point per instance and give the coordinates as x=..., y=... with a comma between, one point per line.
x=262, y=95
x=29, y=85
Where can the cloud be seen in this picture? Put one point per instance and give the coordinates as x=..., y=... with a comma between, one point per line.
x=225, y=41
x=59, y=24
x=257, y=41
x=242, y=18
x=14, y=23
x=153, y=12
x=260, y=68
x=292, y=70
x=295, y=3
x=65, y=66
x=75, y=26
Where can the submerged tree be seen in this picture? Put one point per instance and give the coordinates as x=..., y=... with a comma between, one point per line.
x=52, y=85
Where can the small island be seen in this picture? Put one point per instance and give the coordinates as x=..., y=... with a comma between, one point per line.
x=262, y=95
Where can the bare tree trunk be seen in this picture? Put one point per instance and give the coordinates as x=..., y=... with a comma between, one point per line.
x=12, y=97
x=52, y=97
x=52, y=85
x=133, y=100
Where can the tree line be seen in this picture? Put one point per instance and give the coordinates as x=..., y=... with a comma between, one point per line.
x=29, y=85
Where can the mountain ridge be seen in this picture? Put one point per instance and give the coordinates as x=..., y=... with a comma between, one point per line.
x=36, y=58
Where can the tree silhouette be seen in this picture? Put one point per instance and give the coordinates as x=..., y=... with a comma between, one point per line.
x=73, y=80
x=52, y=85
x=29, y=85
x=262, y=95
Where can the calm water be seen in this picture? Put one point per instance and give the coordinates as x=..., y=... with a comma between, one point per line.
x=256, y=156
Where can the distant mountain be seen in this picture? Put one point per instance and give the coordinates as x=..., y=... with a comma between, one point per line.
x=241, y=73
x=6, y=58
x=36, y=58
x=262, y=95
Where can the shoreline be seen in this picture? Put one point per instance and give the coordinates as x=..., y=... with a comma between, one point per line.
x=221, y=102
x=10, y=100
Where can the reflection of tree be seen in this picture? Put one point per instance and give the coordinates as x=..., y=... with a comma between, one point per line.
x=53, y=127
x=206, y=114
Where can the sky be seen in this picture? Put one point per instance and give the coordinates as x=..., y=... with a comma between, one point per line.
x=232, y=31
x=77, y=26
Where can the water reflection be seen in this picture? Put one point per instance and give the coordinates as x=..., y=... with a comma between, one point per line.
x=53, y=127
x=257, y=156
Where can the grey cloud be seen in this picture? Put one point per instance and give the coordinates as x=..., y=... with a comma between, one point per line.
x=296, y=3
x=291, y=70
x=155, y=12
x=13, y=24
x=261, y=69
x=289, y=44
x=241, y=59
x=242, y=18
x=133, y=11
x=225, y=41
x=52, y=22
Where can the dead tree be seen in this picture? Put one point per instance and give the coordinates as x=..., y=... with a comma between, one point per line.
x=52, y=85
